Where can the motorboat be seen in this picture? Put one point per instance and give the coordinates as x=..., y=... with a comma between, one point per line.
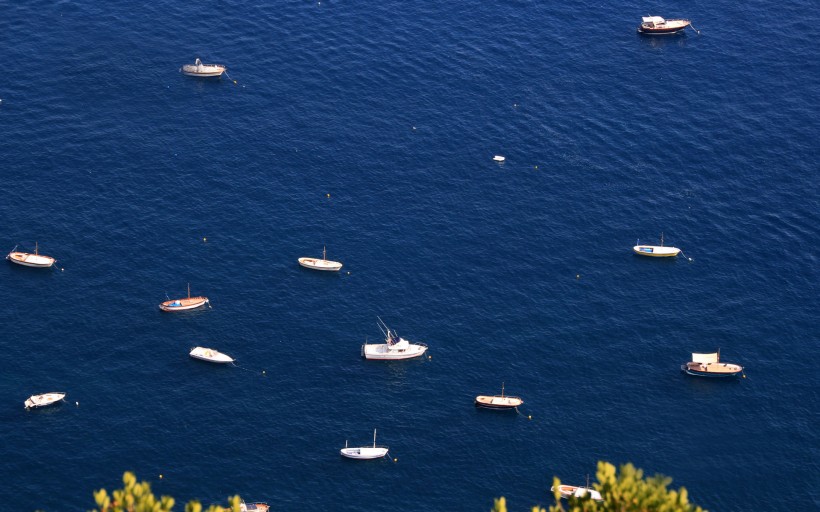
x=364, y=452
x=253, y=507
x=709, y=365
x=202, y=70
x=501, y=401
x=568, y=491
x=46, y=399
x=210, y=355
x=30, y=260
x=321, y=264
x=393, y=348
x=656, y=25
x=184, y=303
x=657, y=251
x=498, y=158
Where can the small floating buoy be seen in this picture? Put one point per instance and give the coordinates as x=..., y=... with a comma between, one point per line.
x=77, y=404
x=577, y=276
x=204, y=239
x=160, y=477
x=529, y=417
x=62, y=269
x=263, y=372
x=396, y=459
x=348, y=272
x=536, y=167
x=414, y=127
x=499, y=158
x=328, y=195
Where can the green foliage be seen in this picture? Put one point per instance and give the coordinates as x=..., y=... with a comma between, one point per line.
x=627, y=491
x=137, y=497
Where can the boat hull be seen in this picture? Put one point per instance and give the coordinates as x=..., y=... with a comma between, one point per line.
x=713, y=374
x=183, y=304
x=210, y=355
x=568, y=491
x=656, y=251
x=30, y=260
x=364, y=453
x=660, y=32
x=498, y=403
x=44, y=400
x=317, y=264
x=382, y=352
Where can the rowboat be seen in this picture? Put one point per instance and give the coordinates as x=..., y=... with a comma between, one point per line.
x=210, y=355
x=30, y=260
x=35, y=401
x=321, y=264
x=253, y=507
x=568, y=491
x=657, y=251
x=364, y=452
x=658, y=26
x=185, y=303
x=393, y=348
x=202, y=70
x=709, y=365
x=501, y=401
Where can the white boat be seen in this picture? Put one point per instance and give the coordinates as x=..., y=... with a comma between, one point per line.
x=30, y=260
x=202, y=70
x=364, y=452
x=210, y=355
x=184, y=303
x=43, y=400
x=499, y=158
x=393, y=348
x=657, y=25
x=568, y=491
x=253, y=507
x=501, y=401
x=321, y=264
x=658, y=251
x=709, y=365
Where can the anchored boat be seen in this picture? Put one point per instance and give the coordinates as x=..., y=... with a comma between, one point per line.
x=568, y=491
x=210, y=355
x=658, y=26
x=364, y=452
x=46, y=399
x=185, y=303
x=321, y=264
x=202, y=70
x=393, y=348
x=657, y=251
x=501, y=401
x=253, y=507
x=30, y=260
x=709, y=365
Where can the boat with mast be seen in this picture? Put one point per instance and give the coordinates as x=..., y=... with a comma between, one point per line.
x=568, y=491
x=364, y=452
x=184, y=304
x=393, y=348
x=499, y=402
x=709, y=365
x=658, y=26
x=321, y=264
x=27, y=259
x=657, y=251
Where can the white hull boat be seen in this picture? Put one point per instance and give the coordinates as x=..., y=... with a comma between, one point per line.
x=657, y=251
x=210, y=355
x=27, y=259
x=321, y=264
x=202, y=70
x=568, y=491
x=254, y=507
x=502, y=401
x=364, y=452
x=184, y=304
x=46, y=399
x=393, y=348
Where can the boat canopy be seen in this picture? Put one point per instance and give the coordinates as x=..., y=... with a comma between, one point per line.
x=705, y=358
x=657, y=20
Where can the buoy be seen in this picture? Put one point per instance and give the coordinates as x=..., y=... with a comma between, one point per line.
x=348, y=272
x=204, y=239
x=328, y=195
x=499, y=158
x=77, y=404
x=160, y=477
x=396, y=459
x=577, y=276
x=429, y=357
x=263, y=372
x=529, y=417
x=414, y=127
x=234, y=81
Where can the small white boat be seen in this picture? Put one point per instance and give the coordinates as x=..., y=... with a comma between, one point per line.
x=709, y=365
x=659, y=26
x=568, y=491
x=499, y=158
x=364, y=452
x=35, y=401
x=184, y=303
x=210, y=355
x=253, y=507
x=30, y=260
x=498, y=401
x=321, y=264
x=393, y=348
x=202, y=70
x=658, y=251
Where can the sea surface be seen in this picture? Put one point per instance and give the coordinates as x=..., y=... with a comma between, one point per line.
x=370, y=128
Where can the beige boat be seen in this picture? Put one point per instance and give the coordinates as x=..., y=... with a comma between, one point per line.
x=30, y=260
x=709, y=365
x=202, y=70
x=185, y=303
x=501, y=401
x=321, y=264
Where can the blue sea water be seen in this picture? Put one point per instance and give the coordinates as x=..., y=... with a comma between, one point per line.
x=370, y=128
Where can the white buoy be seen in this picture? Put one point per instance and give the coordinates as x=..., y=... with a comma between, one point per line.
x=499, y=158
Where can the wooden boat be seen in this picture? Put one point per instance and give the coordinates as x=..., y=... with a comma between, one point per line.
x=46, y=399
x=202, y=70
x=393, y=348
x=30, y=260
x=501, y=401
x=364, y=452
x=253, y=507
x=568, y=491
x=657, y=251
x=184, y=304
x=321, y=264
x=210, y=355
x=709, y=365
x=657, y=26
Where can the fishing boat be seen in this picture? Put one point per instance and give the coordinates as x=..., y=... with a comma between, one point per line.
x=253, y=507
x=321, y=264
x=46, y=399
x=30, y=260
x=210, y=355
x=393, y=348
x=364, y=452
x=202, y=70
x=657, y=251
x=501, y=401
x=709, y=365
x=568, y=491
x=185, y=303
x=658, y=26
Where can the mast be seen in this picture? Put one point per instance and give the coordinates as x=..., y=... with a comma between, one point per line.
x=35, y=248
x=661, y=238
x=324, y=253
x=502, y=390
x=374, y=438
x=189, y=290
